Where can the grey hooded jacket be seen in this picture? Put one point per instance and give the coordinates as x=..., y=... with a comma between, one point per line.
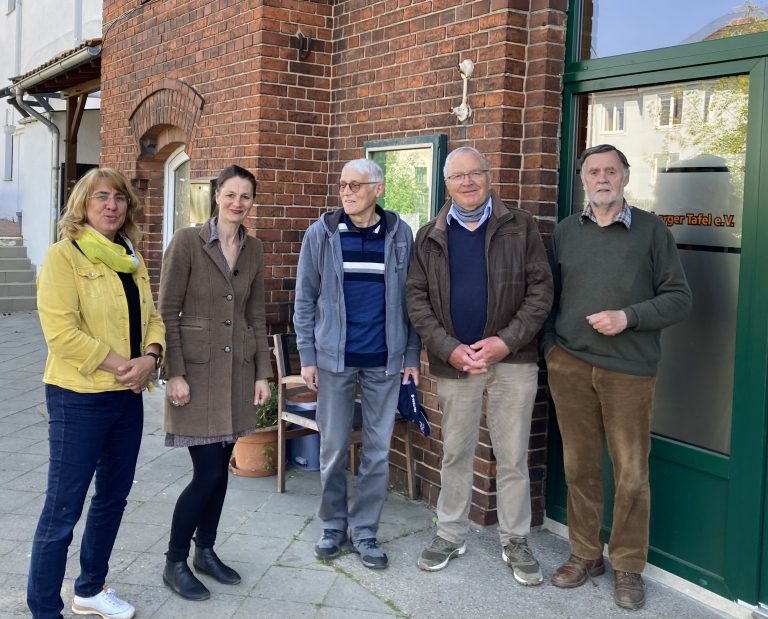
x=320, y=311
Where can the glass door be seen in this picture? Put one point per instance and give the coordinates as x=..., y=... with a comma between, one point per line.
x=686, y=145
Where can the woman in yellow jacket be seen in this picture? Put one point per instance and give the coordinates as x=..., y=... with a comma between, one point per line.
x=104, y=340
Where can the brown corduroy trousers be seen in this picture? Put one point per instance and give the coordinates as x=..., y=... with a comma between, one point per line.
x=595, y=405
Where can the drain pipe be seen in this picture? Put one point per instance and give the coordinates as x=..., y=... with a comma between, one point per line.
x=55, y=133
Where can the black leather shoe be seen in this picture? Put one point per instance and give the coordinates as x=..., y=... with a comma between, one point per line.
x=180, y=578
x=206, y=562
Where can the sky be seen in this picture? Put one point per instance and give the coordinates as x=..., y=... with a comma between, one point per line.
x=625, y=26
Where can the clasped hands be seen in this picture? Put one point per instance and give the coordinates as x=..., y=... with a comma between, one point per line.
x=478, y=357
x=136, y=373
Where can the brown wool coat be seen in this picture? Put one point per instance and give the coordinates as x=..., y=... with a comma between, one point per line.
x=215, y=333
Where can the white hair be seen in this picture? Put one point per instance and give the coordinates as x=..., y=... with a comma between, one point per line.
x=368, y=167
x=465, y=149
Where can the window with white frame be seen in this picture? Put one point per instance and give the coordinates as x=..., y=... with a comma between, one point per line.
x=670, y=109
x=613, y=116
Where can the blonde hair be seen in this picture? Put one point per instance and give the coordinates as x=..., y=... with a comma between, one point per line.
x=74, y=218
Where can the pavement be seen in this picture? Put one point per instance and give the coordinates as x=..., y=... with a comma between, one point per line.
x=268, y=537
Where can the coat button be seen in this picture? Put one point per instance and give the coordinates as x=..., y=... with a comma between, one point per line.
x=228, y=323
x=227, y=349
x=228, y=297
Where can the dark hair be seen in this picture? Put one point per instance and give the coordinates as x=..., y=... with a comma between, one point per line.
x=603, y=148
x=232, y=172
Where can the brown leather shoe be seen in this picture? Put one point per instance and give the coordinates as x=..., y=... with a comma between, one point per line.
x=630, y=590
x=573, y=573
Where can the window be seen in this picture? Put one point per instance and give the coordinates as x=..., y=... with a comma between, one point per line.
x=670, y=110
x=613, y=117
x=187, y=203
x=693, y=178
x=412, y=176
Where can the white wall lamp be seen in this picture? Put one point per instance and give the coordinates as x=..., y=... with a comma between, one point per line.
x=463, y=112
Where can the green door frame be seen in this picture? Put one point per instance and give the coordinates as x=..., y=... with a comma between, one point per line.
x=743, y=576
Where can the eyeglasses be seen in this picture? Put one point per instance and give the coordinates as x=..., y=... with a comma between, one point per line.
x=354, y=186
x=474, y=175
x=103, y=197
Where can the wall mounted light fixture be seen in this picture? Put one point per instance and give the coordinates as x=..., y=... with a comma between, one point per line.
x=304, y=44
x=463, y=112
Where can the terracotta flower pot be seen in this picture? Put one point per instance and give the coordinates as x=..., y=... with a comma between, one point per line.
x=255, y=455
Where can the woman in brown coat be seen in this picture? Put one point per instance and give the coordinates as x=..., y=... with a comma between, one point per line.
x=217, y=364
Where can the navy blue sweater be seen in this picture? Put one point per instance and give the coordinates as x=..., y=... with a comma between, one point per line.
x=469, y=281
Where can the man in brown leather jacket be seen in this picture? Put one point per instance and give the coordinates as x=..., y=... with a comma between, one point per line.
x=478, y=291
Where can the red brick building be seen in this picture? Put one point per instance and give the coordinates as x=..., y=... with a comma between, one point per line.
x=231, y=81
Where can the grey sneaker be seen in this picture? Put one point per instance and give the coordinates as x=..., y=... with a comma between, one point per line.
x=524, y=565
x=371, y=554
x=436, y=556
x=329, y=545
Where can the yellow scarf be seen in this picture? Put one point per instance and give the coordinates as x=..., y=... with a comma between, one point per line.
x=98, y=248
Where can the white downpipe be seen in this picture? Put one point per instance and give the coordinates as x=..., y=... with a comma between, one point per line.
x=52, y=236
x=17, y=51
x=78, y=25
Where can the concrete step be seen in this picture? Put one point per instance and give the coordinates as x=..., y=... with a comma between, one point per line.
x=17, y=289
x=20, y=275
x=11, y=241
x=17, y=304
x=14, y=264
x=13, y=251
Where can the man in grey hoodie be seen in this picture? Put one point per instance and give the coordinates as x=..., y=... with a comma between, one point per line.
x=352, y=328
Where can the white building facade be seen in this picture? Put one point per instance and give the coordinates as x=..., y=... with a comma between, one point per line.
x=35, y=36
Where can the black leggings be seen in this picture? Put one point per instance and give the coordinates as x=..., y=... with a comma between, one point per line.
x=199, y=505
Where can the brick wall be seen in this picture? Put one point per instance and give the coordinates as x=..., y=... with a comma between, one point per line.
x=376, y=70
x=395, y=75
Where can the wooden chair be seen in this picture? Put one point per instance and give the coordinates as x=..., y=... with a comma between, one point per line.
x=291, y=388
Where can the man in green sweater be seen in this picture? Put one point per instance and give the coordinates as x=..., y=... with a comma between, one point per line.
x=618, y=282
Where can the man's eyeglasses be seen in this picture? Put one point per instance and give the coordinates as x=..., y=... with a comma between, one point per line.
x=474, y=175
x=103, y=197
x=354, y=186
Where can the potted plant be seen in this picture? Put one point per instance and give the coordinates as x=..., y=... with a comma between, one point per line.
x=255, y=454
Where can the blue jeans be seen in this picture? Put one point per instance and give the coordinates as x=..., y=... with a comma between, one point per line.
x=335, y=412
x=88, y=433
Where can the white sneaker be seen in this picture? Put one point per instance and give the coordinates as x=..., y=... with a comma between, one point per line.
x=105, y=603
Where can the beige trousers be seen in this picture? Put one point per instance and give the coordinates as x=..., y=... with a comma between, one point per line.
x=511, y=392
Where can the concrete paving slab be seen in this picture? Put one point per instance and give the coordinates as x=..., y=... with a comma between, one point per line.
x=301, y=554
x=327, y=612
x=225, y=606
x=262, y=607
x=295, y=584
x=348, y=594
x=270, y=524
